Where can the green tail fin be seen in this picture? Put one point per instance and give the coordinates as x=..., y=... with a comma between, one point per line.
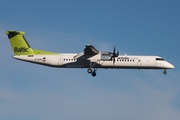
x=18, y=43
x=20, y=46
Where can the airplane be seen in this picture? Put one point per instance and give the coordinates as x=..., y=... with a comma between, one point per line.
x=90, y=58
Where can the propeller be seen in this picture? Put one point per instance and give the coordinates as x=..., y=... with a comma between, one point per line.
x=114, y=55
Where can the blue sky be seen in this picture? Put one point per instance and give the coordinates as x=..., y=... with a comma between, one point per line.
x=141, y=27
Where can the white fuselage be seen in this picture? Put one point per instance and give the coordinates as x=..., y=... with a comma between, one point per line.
x=122, y=61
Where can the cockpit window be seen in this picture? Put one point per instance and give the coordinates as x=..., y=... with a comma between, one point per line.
x=160, y=59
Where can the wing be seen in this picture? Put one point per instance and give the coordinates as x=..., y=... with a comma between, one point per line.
x=90, y=50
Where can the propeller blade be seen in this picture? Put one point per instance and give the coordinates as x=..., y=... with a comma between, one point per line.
x=114, y=55
x=114, y=50
x=117, y=53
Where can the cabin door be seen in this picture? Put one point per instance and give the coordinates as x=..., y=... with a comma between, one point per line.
x=60, y=60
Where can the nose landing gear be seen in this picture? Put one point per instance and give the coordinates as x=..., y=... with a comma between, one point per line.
x=164, y=72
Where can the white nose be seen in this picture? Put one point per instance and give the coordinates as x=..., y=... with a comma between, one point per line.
x=169, y=66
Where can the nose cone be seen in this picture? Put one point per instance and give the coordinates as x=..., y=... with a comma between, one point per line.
x=170, y=66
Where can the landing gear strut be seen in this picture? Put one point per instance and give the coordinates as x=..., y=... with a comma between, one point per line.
x=164, y=72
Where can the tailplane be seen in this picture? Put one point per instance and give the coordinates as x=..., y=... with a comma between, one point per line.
x=20, y=46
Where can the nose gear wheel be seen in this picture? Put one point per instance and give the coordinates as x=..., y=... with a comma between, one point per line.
x=164, y=72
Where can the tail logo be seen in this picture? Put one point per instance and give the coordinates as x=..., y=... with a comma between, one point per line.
x=22, y=49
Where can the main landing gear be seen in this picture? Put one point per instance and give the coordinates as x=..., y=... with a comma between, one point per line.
x=92, y=72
